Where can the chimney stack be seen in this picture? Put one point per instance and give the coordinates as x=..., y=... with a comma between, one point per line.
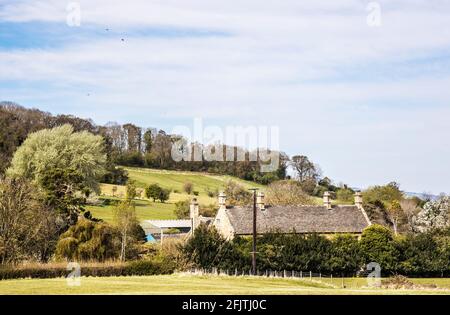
x=194, y=214
x=222, y=200
x=358, y=200
x=260, y=201
x=327, y=200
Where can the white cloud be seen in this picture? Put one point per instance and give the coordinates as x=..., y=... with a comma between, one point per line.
x=282, y=63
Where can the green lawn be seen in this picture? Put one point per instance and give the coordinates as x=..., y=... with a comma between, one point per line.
x=180, y=284
x=145, y=210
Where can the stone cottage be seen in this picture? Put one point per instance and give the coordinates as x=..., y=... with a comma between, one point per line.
x=326, y=219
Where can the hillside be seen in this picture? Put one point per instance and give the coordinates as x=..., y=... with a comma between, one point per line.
x=173, y=180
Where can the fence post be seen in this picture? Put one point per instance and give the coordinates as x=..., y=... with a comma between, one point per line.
x=301, y=274
x=310, y=275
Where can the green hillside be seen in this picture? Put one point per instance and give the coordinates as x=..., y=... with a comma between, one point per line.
x=173, y=180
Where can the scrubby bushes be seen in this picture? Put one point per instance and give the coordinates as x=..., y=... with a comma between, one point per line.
x=88, y=240
x=416, y=255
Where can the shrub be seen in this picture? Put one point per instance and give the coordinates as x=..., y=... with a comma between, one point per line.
x=148, y=267
x=287, y=192
x=88, y=240
x=182, y=209
x=154, y=266
x=211, y=193
x=188, y=187
x=153, y=191
x=237, y=194
x=378, y=245
x=345, y=194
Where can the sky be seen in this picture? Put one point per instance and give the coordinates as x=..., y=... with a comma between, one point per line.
x=360, y=87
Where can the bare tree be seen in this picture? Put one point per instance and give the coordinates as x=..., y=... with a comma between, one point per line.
x=27, y=228
x=125, y=219
x=305, y=169
x=410, y=208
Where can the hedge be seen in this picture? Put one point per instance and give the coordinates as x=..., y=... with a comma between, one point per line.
x=133, y=268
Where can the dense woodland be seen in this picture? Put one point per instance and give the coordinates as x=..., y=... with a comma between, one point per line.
x=127, y=145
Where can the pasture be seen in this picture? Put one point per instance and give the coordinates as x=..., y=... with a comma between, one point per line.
x=184, y=284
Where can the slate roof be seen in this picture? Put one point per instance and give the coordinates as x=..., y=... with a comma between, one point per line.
x=304, y=219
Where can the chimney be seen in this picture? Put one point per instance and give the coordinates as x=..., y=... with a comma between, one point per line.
x=327, y=200
x=222, y=200
x=260, y=201
x=358, y=200
x=194, y=214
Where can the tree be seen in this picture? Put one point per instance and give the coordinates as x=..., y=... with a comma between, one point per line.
x=148, y=140
x=386, y=194
x=134, y=137
x=435, y=214
x=131, y=190
x=207, y=248
x=395, y=214
x=153, y=191
x=182, y=209
x=60, y=148
x=305, y=168
x=378, y=245
x=28, y=229
x=65, y=192
x=88, y=240
x=188, y=187
x=125, y=220
x=286, y=193
x=237, y=194
x=410, y=207
x=345, y=194
x=164, y=195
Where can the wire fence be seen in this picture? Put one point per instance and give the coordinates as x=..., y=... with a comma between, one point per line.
x=357, y=280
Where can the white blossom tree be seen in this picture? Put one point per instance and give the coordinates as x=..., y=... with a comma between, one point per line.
x=435, y=214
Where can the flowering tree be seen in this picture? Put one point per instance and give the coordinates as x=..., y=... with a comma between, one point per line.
x=435, y=214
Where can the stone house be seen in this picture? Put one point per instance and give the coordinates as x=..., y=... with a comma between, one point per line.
x=326, y=219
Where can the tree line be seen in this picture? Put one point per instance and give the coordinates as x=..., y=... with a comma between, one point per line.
x=127, y=145
x=426, y=254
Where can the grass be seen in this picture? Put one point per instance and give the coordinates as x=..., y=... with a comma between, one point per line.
x=145, y=210
x=173, y=180
x=181, y=284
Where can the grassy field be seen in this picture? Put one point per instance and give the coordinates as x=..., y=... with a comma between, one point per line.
x=180, y=284
x=145, y=210
x=173, y=180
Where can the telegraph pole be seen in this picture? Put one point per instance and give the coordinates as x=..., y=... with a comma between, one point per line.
x=254, y=232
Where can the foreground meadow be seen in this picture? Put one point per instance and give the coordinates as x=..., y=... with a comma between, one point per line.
x=182, y=284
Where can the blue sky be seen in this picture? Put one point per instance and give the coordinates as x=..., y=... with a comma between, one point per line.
x=369, y=104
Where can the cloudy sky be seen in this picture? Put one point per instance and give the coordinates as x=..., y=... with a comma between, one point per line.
x=369, y=102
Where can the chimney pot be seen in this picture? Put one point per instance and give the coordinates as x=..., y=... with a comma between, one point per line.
x=222, y=199
x=194, y=213
x=327, y=200
x=358, y=199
